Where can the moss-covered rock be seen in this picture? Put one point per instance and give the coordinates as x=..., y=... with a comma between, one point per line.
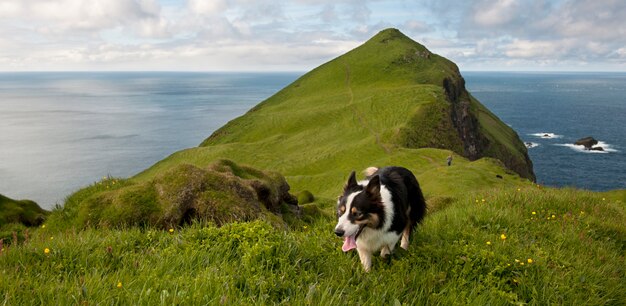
x=221, y=193
x=305, y=197
x=24, y=212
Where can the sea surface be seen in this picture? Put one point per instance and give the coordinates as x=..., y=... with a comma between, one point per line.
x=550, y=111
x=63, y=131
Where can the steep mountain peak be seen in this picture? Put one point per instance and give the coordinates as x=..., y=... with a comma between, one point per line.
x=391, y=90
x=389, y=34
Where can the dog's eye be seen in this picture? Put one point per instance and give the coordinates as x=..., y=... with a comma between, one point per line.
x=358, y=214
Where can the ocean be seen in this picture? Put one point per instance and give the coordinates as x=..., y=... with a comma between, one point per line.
x=62, y=131
x=550, y=111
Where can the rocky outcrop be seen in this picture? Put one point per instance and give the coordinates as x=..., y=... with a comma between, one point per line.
x=476, y=143
x=588, y=142
x=463, y=119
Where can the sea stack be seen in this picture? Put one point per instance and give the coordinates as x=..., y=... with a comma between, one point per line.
x=589, y=143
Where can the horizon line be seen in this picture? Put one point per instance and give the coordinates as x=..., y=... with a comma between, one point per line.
x=285, y=71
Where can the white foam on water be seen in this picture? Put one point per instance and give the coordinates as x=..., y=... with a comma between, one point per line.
x=546, y=135
x=580, y=148
x=531, y=145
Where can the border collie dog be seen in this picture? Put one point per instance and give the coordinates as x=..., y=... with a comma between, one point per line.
x=374, y=213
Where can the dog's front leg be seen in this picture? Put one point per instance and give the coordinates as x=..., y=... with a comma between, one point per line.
x=366, y=259
x=384, y=251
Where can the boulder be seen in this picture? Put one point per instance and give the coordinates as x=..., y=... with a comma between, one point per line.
x=588, y=142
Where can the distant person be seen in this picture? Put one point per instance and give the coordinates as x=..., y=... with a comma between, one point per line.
x=449, y=160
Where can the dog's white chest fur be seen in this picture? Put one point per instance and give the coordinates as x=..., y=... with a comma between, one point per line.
x=373, y=240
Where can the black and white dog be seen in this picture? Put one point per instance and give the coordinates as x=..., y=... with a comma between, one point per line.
x=374, y=213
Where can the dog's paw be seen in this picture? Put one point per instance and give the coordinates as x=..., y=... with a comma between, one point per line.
x=384, y=252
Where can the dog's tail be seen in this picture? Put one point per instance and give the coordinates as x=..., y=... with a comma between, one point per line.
x=370, y=172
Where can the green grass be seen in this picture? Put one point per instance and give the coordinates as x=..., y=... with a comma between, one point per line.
x=220, y=193
x=577, y=259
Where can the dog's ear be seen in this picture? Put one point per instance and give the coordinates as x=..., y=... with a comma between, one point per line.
x=351, y=182
x=373, y=187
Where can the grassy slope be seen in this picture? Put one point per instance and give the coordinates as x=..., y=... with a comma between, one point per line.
x=221, y=193
x=364, y=108
x=576, y=241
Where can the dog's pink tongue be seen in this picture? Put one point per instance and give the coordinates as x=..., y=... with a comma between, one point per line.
x=349, y=243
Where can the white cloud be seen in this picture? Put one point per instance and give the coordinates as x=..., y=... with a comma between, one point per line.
x=10, y=8
x=416, y=26
x=494, y=13
x=301, y=34
x=537, y=49
x=76, y=16
x=210, y=7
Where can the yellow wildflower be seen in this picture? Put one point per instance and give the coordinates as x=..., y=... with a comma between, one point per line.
x=534, y=212
x=603, y=199
x=483, y=200
x=51, y=238
x=488, y=242
x=519, y=189
x=530, y=260
x=521, y=263
x=46, y=251
x=516, y=260
x=119, y=285
x=171, y=230
x=553, y=216
x=43, y=226
x=503, y=237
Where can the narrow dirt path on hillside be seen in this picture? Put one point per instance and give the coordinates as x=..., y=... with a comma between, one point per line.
x=359, y=115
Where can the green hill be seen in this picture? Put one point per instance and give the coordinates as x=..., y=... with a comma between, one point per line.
x=388, y=102
x=379, y=104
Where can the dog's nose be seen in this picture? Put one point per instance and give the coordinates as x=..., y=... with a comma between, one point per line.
x=339, y=232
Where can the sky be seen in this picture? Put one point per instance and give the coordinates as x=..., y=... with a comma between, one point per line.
x=299, y=35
